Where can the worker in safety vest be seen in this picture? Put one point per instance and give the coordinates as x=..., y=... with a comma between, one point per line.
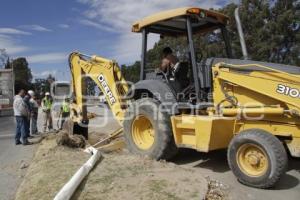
x=47, y=115
x=64, y=111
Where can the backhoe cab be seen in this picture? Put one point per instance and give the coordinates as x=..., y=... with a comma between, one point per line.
x=184, y=22
x=251, y=108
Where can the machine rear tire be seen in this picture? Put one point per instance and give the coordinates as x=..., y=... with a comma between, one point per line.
x=148, y=131
x=257, y=158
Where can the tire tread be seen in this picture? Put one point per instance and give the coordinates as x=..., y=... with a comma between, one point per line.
x=271, y=142
x=167, y=148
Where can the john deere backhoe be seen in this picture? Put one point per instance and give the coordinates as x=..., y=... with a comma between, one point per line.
x=251, y=108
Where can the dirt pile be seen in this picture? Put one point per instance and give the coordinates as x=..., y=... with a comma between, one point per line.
x=125, y=176
x=51, y=168
x=117, y=176
x=73, y=141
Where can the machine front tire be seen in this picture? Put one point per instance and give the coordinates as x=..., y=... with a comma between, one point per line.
x=147, y=130
x=257, y=158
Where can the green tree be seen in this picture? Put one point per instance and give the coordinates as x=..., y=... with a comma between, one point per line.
x=271, y=31
x=131, y=72
x=40, y=86
x=22, y=74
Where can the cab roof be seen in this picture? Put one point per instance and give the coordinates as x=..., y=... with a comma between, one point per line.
x=172, y=22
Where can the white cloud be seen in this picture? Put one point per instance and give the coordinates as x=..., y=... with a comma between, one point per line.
x=9, y=41
x=65, y=26
x=119, y=15
x=90, y=23
x=36, y=27
x=13, y=31
x=11, y=46
x=47, y=58
x=122, y=13
x=128, y=47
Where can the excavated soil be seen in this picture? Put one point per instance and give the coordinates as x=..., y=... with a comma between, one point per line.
x=72, y=141
x=50, y=169
x=124, y=176
x=118, y=176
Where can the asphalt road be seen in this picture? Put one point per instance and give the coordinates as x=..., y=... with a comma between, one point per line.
x=11, y=159
x=215, y=166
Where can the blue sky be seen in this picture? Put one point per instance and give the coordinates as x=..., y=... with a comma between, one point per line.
x=46, y=31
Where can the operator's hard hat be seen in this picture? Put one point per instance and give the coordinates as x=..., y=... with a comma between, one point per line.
x=47, y=94
x=31, y=93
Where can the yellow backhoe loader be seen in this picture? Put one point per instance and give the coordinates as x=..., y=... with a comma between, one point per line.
x=250, y=108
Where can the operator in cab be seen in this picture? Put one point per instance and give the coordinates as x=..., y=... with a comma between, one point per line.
x=169, y=62
x=173, y=70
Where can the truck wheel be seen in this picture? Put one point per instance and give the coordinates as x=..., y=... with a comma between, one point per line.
x=257, y=158
x=148, y=131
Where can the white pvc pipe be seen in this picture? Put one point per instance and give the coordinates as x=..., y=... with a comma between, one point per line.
x=70, y=187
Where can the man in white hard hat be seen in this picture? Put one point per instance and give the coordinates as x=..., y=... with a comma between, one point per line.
x=47, y=116
x=34, y=113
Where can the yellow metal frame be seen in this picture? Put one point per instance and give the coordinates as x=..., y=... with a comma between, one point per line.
x=258, y=105
x=169, y=14
x=107, y=75
x=203, y=133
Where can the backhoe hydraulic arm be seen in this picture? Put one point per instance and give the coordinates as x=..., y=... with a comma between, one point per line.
x=107, y=76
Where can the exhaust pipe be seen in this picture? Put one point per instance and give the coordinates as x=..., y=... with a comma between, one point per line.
x=241, y=33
